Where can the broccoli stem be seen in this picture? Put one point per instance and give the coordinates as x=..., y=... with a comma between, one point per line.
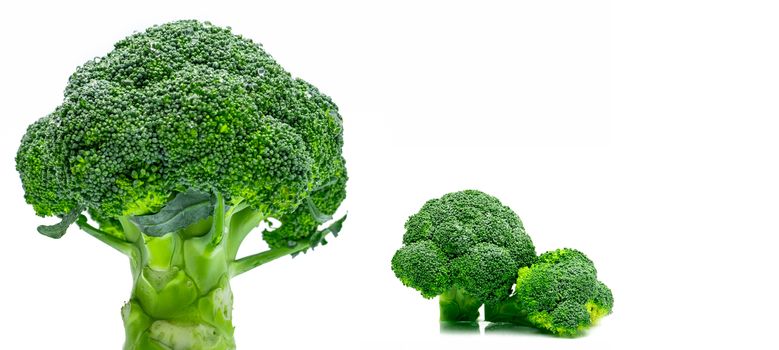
x=240, y=222
x=179, y=316
x=218, y=220
x=506, y=311
x=181, y=296
x=458, y=305
x=247, y=263
x=125, y=247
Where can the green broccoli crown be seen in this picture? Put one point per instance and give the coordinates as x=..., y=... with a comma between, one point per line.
x=560, y=293
x=186, y=105
x=468, y=239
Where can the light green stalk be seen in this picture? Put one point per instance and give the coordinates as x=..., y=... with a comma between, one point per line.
x=457, y=305
x=506, y=311
x=181, y=297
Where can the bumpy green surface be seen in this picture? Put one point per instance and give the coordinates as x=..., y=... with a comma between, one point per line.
x=465, y=244
x=559, y=294
x=178, y=143
x=184, y=105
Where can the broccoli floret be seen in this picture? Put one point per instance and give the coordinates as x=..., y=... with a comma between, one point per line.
x=423, y=266
x=302, y=223
x=559, y=294
x=177, y=144
x=466, y=248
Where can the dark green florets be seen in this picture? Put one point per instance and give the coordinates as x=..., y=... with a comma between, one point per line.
x=306, y=219
x=561, y=294
x=486, y=272
x=470, y=250
x=424, y=267
x=185, y=105
x=454, y=238
x=41, y=165
x=480, y=241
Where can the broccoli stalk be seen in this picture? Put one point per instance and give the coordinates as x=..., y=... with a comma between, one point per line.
x=181, y=291
x=456, y=305
x=177, y=144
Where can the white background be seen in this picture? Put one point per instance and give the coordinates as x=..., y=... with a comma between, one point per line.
x=642, y=134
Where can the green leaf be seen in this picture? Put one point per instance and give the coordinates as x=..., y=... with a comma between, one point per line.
x=316, y=238
x=319, y=237
x=58, y=230
x=325, y=185
x=336, y=226
x=186, y=209
x=318, y=215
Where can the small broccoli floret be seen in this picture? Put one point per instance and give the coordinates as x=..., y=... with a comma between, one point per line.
x=559, y=294
x=424, y=267
x=601, y=302
x=41, y=164
x=317, y=209
x=466, y=247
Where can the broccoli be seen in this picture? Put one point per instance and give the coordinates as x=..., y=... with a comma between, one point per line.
x=177, y=144
x=469, y=249
x=466, y=248
x=559, y=294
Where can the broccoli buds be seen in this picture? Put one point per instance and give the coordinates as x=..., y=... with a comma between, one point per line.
x=559, y=294
x=185, y=106
x=470, y=250
x=466, y=245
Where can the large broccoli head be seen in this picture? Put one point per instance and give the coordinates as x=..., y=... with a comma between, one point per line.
x=561, y=294
x=178, y=143
x=467, y=241
x=187, y=106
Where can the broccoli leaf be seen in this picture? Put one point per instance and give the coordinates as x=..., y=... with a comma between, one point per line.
x=186, y=209
x=316, y=213
x=336, y=226
x=319, y=237
x=58, y=230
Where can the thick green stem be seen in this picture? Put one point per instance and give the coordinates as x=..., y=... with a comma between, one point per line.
x=507, y=311
x=457, y=305
x=181, y=297
x=168, y=312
